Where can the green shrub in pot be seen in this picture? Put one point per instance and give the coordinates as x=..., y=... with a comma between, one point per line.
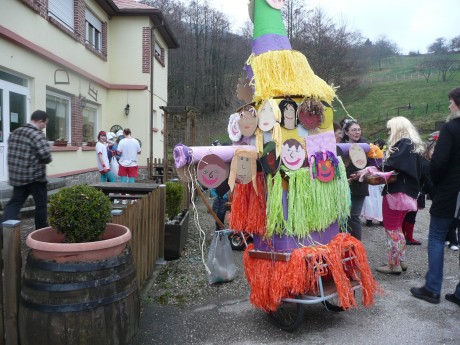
x=174, y=198
x=80, y=212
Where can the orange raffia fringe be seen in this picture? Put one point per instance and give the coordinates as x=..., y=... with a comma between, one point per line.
x=240, y=204
x=256, y=211
x=270, y=280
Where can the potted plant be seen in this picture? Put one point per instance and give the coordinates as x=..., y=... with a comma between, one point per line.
x=91, y=143
x=78, y=270
x=61, y=141
x=176, y=227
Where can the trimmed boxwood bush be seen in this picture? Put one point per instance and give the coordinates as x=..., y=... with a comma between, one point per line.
x=80, y=213
x=174, y=198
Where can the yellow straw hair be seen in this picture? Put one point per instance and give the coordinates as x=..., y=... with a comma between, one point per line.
x=284, y=73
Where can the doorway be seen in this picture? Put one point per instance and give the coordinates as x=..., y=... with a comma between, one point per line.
x=13, y=113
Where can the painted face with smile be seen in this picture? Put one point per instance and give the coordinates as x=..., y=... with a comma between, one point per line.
x=212, y=171
x=292, y=154
x=288, y=109
x=248, y=120
x=266, y=117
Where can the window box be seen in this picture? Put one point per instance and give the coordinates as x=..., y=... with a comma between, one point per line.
x=60, y=143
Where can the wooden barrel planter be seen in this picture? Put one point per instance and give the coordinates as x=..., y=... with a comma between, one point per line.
x=85, y=302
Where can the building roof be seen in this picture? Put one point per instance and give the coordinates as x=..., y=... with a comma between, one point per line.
x=134, y=8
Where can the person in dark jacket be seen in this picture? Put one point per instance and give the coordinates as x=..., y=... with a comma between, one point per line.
x=358, y=190
x=445, y=175
x=403, y=156
x=426, y=188
x=28, y=154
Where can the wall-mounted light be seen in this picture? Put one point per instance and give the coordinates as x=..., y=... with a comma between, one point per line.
x=127, y=110
x=83, y=101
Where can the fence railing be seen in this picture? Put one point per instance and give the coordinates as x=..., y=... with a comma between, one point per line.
x=143, y=214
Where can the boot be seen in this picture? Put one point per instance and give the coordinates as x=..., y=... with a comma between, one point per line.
x=387, y=269
x=408, y=231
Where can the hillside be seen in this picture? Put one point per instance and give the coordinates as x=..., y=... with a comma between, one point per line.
x=386, y=93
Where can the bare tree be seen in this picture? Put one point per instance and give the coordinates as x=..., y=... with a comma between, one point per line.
x=439, y=46
x=384, y=48
x=455, y=44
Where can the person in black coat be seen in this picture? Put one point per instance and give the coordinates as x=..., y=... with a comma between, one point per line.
x=426, y=188
x=445, y=175
x=403, y=156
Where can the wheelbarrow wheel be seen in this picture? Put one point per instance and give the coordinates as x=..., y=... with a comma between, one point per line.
x=331, y=306
x=237, y=241
x=288, y=316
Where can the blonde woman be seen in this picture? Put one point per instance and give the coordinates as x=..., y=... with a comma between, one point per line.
x=403, y=155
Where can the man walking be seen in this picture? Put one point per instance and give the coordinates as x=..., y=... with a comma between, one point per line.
x=28, y=154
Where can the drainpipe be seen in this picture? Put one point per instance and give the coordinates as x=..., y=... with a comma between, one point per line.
x=152, y=62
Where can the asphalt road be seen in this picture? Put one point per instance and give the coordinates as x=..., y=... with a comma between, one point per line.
x=223, y=315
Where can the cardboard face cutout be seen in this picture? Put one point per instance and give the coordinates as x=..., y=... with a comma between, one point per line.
x=288, y=109
x=212, y=171
x=266, y=117
x=357, y=156
x=292, y=154
x=248, y=120
x=310, y=114
x=325, y=171
x=276, y=4
x=270, y=164
x=243, y=170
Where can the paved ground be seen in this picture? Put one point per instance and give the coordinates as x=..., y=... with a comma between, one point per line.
x=179, y=307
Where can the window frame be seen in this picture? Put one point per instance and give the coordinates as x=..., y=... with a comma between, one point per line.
x=68, y=116
x=95, y=123
x=94, y=26
x=159, y=53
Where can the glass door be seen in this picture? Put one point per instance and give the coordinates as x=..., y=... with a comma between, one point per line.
x=13, y=114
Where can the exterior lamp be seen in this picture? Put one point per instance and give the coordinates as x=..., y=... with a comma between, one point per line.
x=127, y=110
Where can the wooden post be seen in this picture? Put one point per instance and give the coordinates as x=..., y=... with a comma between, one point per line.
x=161, y=221
x=12, y=273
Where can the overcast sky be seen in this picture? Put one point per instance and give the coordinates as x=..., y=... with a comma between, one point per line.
x=411, y=24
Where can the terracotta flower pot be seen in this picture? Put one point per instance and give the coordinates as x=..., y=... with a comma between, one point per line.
x=48, y=244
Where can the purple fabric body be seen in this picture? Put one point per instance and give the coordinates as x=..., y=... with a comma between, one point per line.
x=286, y=244
x=269, y=42
x=345, y=147
x=193, y=154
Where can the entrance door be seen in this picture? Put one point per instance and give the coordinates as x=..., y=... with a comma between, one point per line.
x=13, y=114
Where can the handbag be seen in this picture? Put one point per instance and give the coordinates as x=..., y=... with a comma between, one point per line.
x=220, y=262
x=114, y=166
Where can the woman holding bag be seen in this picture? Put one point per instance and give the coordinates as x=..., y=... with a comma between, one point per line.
x=403, y=156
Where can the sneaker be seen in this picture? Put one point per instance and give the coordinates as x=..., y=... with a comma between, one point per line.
x=404, y=266
x=453, y=247
x=447, y=243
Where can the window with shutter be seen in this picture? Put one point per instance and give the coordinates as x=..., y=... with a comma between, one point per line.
x=62, y=11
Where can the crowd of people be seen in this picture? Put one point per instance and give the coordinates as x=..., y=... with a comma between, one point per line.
x=423, y=170
x=116, y=156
